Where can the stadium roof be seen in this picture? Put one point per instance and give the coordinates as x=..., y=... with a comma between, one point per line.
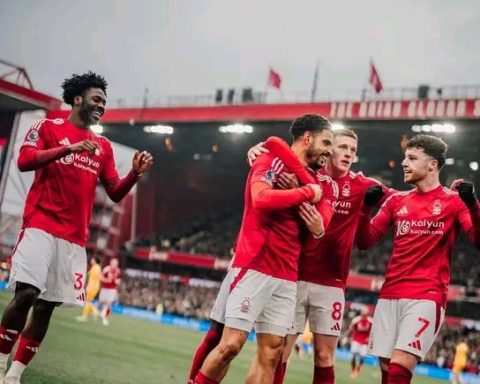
x=14, y=97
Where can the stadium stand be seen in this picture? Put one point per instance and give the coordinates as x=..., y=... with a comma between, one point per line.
x=214, y=234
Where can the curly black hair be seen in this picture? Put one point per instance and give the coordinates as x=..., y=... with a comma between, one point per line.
x=309, y=122
x=78, y=84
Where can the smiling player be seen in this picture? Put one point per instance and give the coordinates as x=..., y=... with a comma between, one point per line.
x=49, y=261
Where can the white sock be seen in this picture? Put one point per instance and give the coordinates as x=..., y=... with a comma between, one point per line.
x=16, y=370
x=3, y=361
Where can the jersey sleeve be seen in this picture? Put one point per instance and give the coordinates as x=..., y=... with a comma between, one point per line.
x=109, y=170
x=326, y=206
x=353, y=324
x=115, y=187
x=370, y=182
x=371, y=230
x=36, y=135
x=280, y=148
x=97, y=273
x=35, y=152
x=469, y=220
x=263, y=175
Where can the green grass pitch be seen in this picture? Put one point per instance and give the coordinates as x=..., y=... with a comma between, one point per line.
x=137, y=351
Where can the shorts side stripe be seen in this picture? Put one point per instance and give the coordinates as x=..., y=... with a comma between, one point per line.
x=20, y=237
x=237, y=279
x=438, y=316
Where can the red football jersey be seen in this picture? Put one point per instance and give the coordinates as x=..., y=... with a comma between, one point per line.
x=327, y=261
x=425, y=227
x=326, y=206
x=361, y=327
x=112, y=275
x=269, y=238
x=61, y=197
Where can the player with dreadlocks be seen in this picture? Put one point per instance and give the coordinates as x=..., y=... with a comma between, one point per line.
x=49, y=262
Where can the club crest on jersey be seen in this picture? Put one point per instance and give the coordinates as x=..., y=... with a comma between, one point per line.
x=346, y=189
x=437, y=207
x=245, y=305
x=33, y=135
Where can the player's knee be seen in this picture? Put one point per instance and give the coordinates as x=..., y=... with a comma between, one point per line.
x=323, y=358
x=272, y=355
x=42, y=310
x=45, y=306
x=25, y=297
x=229, y=349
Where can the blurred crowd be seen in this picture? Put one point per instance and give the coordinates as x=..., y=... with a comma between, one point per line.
x=442, y=352
x=215, y=234
x=164, y=296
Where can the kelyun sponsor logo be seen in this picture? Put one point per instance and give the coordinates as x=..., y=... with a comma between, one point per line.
x=84, y=159
x=342, y=207
x=420, y=227
x=80, y=160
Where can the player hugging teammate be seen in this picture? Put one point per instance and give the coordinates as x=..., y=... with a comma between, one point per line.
x=324, y=263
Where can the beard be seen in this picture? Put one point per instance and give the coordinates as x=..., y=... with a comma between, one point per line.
x=316, y=165
x=411, y=178
x=85, y=113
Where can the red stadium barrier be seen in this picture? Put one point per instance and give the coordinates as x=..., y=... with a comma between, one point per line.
x=181, y=258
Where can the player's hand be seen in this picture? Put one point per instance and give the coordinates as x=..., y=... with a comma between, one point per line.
x=312, y=219
x=466, y=192
x=373, y=195
x=318, y=192
x=142, y=161
x=84, y=146
x=255, y=151
x=287, y=181
x=455, y=184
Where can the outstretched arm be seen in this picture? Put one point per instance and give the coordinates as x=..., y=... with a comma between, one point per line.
x=117, y=188
x=369, y=230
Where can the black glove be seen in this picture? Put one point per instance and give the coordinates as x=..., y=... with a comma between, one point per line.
x=467, y=193
x=373, y=195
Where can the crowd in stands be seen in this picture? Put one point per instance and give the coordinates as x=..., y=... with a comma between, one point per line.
x=442, y=352
x=215, y=234
x=167, y=296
